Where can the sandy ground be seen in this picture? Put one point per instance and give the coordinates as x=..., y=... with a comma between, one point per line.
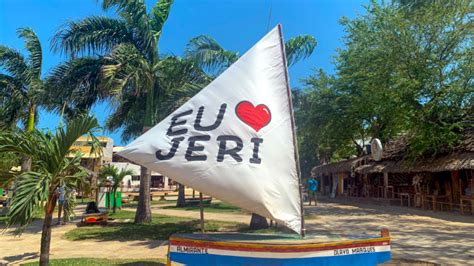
x=18, y=249
x=445, y=238
x=439, y=237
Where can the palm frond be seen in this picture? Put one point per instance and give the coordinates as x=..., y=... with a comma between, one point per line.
x=22, y=143
x=14, y=63
x=113, y=172
x=159, y=15
x=94, y=34
x=129, y=116
x=126, y=67
x=31, y=190
x=33, y=46
x=299, y=48
x=77, y=84
x=75, y=128
x=134, y=14
x=133, y=11
x=208, y=54
x=51, y=167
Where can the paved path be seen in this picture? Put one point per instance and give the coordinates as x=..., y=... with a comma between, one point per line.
x=421, y=235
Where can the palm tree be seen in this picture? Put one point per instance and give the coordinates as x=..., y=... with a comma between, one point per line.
x=128, y=46
x=22, y=78
x=21, y=87
x=117, y=177
x=213, y=58
x=51, y=168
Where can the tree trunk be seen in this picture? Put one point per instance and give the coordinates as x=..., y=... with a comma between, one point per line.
x=46, y=233
x=181, y=196
x=258, y=222
x=143, y=214
x=25, y=164
x=30, y=126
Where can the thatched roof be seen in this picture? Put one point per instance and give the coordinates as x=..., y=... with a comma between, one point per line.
x=457, y=158
x=396, y=149
x=450, y=162
x=345, y=166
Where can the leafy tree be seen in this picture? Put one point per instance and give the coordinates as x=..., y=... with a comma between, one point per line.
x=51, y=168
x=406, y=69
x=116, y=179
x=128, y=48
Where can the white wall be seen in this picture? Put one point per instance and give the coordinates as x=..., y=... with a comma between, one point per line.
x=136, y=170
x=128, y=179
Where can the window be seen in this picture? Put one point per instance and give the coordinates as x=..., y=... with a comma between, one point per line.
x=135, y=178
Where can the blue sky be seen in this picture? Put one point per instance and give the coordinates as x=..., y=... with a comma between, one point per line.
x=235, y=24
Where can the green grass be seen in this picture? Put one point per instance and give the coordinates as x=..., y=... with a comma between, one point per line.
x=213, y=207
x=101, y=262
x=159, y=229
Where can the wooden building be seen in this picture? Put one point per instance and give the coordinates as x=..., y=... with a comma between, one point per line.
x=442, y=182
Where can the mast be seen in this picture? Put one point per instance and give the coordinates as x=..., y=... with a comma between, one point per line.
x=293, y=130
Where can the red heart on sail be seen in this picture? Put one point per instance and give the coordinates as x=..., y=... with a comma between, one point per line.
x=255, y=116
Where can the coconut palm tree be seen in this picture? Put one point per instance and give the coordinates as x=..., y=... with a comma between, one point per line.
x=21, y=87
x=214, y=59
x=22, y=79
x=128, y=46
x=51, y=168
x=117, y=177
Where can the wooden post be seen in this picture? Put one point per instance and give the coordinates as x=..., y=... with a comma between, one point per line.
x=293, y=127
x=340, y=184
x=456, y=186
x=201, y=207
x=323, y=191
x=472, y=195
x=385, y=185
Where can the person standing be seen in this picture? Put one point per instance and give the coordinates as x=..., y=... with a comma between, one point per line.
x=61, y=192
x=312, y=188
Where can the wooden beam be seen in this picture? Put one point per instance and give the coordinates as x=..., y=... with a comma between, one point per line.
x=456, y=186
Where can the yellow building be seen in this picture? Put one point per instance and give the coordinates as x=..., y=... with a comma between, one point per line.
x=92, y=161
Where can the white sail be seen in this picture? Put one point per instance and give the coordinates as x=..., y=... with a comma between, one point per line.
x=234, y=139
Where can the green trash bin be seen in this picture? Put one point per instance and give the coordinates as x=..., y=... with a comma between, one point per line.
x=110, y=199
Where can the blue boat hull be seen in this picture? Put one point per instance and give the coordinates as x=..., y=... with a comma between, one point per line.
x=206, y=259
x=241, y=249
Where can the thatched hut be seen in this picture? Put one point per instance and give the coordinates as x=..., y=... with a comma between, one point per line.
x=444, y=181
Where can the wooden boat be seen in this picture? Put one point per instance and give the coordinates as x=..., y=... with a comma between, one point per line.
x=246, y=154
x=260, y=249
